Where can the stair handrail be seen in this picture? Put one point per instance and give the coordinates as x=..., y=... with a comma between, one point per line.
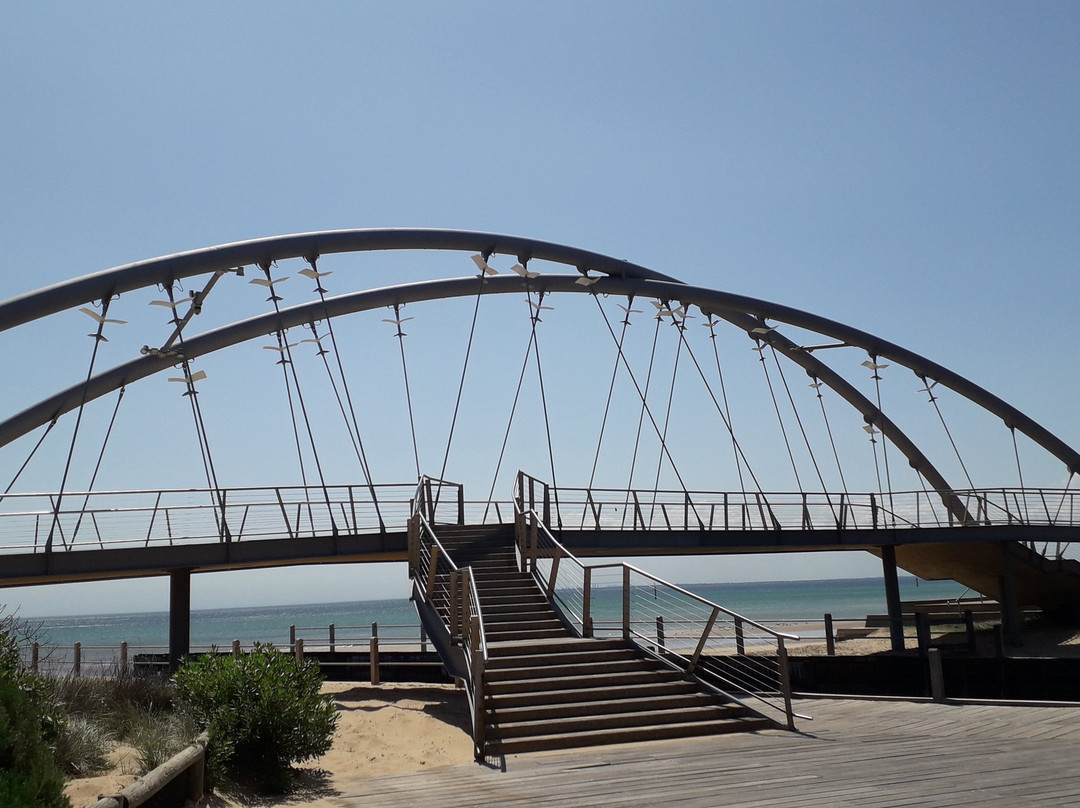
x=476, y=656
x=424, y=501
x=754, y=676
x=461, y=613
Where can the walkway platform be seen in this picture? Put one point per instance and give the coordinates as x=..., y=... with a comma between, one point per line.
x=865, y=753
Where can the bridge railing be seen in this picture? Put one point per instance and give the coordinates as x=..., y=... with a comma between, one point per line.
x=725, y=651
x=451, y=592
x=571, y=508
x=33, y=522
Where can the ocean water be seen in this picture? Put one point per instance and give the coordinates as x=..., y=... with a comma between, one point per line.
x=771, y=602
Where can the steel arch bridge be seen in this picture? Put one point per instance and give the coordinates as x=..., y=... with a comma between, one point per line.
x=1009, y=541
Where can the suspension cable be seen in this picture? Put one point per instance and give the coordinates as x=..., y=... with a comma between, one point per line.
x=680, y=326
x=929, y=390
x=201, y=434
x=645, y=406
x=98, y=338
x=287, y=364
x=509, y=423
x=1019, y=470
x=816, y=385
x=97, y=468
x=628, y=309
x=30, y=457
x=760, y=348
x=725, y=413
x=405, y=374
x=354, y=430
x=547, y=420
x=802, y=431
x=461, y=385
x=740, y=455
x=875, y=367
x=798, y=420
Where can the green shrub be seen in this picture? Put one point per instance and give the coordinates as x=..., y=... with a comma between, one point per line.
x=29, y=777
x=263, y=711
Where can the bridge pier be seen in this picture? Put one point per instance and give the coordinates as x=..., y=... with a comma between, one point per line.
x=892, y=597
x=1010, y=611
x=179, y=616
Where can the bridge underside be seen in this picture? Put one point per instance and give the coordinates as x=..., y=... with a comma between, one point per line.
x=141, y=562
x=987, y=559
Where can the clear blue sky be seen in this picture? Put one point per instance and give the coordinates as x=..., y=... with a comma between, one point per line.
x=908, y=168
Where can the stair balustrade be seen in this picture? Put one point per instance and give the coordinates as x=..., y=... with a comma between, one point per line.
x=729, y=653
x=450, y=591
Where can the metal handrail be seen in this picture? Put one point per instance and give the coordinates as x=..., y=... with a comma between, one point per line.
x=754, y=676
x=459, y=608
x=95, y=520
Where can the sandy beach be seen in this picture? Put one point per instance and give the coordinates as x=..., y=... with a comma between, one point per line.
x=405, y=727
x=383, y=729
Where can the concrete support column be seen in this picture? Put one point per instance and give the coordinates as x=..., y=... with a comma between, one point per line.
x=179, y=617
x=892, y=597
x=1010, y=610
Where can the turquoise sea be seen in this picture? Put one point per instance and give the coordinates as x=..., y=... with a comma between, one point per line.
x=780, y=602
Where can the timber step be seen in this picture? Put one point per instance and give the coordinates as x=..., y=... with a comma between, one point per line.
x=590, y=681
x=545, y=688
x=511, y=635
x=646, y=690
x=571, y=740
x=552, y=725
x=577, y=670
x=618, y=704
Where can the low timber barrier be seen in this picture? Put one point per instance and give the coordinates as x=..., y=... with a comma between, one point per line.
x=175, y=783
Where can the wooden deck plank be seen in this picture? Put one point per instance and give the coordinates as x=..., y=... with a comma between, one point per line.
x=854, y=753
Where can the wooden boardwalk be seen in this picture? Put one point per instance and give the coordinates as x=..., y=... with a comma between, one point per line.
x=853, y=753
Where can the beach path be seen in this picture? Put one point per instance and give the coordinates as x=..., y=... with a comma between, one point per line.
x=866, y=753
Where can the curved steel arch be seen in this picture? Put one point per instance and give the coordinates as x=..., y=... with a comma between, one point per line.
x=128, y=277
x=623, y=278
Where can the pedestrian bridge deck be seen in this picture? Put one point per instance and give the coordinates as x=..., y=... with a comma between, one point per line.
x=865, y=753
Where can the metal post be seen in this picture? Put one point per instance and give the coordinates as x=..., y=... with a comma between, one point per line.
x=586, y=604
x=830, y=638
x=461, y=505
x=1010, y=610
x=333, y=637
x=179, y=617
x=479, y=718
x=373, y=656
x=937, y=678
x=660, y=638
x=626, y=602
x=892, y=597
x=922, y=632
x=969, y=629
x=423, y=639
x=740, y=637
x=455, y=604
x=785, y=681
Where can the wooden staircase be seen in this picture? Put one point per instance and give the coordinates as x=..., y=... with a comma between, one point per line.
x=545, y=688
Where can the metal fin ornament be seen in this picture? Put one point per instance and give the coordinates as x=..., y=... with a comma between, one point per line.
x=398, y=323
x=521, y=270
x=483, y=266
x=100, y=319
